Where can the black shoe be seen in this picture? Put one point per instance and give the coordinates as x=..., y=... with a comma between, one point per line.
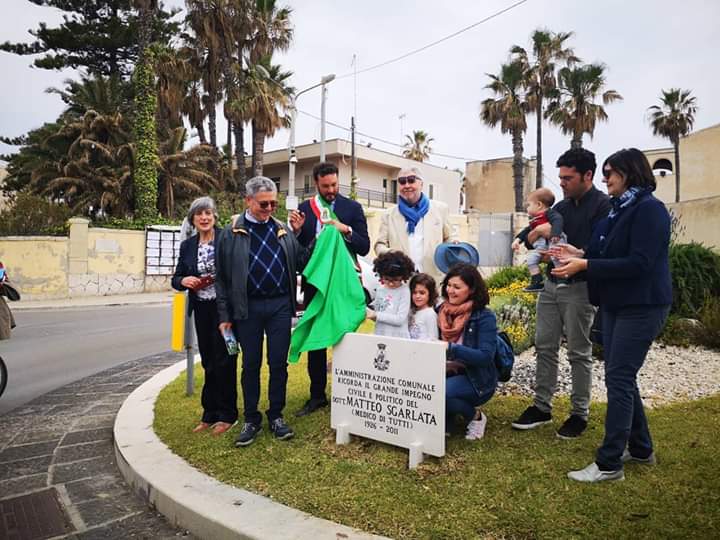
x=312, y=405
x=281, y=430
x=531, y=418
x=248, y=434
x=536, y=284
x=572, y=428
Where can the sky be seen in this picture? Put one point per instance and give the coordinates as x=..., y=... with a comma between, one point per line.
x=647, y=45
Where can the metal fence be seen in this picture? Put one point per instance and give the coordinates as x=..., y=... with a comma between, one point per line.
x=368, y=197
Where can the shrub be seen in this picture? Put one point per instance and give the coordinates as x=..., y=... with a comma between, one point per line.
x=34, y=215
x=710, y=320
x=515, y=312
x=695, y=273
x=680, y=331
x=134, y=224
x=507, y=275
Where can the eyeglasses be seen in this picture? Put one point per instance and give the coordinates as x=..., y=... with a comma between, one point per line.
x=607, y=173
x=265, y=204
x=407, y=180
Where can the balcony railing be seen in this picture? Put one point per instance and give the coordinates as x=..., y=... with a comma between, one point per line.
x=368, y=197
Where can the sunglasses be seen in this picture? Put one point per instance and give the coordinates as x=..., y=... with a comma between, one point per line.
x=265, y=204
x=607, y=172
x=407, y=180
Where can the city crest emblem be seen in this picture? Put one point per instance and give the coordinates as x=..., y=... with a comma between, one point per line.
x=380, y=361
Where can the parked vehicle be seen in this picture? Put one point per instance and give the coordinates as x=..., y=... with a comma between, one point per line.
x=7, y=322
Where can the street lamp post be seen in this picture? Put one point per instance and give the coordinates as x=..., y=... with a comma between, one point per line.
x=291, y=202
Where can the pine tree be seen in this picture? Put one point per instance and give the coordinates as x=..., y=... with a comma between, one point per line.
x=99, y=36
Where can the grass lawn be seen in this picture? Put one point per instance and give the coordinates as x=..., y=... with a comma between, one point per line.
x=508, y=485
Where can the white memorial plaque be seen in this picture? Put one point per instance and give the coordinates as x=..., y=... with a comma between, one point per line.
x=153, y=235
x=390, y=390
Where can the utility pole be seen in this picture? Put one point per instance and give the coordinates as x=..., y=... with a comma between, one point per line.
x=322, y=122
x=353, y=161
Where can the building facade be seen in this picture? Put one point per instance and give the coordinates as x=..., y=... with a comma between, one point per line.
x=488, y=183
x=376, y=173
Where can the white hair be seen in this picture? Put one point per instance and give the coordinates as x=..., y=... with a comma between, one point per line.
x=259, y=184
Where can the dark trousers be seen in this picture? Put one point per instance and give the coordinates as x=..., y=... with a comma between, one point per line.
x=266, y=317
x=317, y=371
x=461, y=398
x=627, y=336
x=219, y=393
x=317, y=360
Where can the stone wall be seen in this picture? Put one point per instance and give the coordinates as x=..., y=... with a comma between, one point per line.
x=90, y=262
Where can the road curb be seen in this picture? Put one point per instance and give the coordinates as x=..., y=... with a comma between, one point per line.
x=192, y=500
x=58, y=306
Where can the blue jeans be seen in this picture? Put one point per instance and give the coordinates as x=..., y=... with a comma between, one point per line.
x=266, y=317
x=627, y=335
x=461, y=398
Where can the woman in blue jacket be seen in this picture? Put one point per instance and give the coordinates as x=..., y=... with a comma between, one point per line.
x=470, y=330
x=196, y=272
x=629, y=278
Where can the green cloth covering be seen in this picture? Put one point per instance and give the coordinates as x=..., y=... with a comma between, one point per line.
x=338, y=306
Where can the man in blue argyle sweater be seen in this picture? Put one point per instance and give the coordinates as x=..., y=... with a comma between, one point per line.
x=257, y=263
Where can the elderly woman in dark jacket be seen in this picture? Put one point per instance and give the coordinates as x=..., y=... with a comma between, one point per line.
x=629, y=278
x=470, y=330
x=196, y=272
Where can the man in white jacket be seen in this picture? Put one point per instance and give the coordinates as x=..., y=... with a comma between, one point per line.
x=416, y=226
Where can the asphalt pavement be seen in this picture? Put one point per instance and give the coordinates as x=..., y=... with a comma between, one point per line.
x=60, y=341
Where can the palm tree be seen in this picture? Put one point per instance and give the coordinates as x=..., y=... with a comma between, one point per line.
x=216, y=23
x=269, y=30
x=418, y=147
x=174, y=74
x=572, y=105
x=548, y=48
x=183, y=175
x=674, y=118
x=268, y=101
x=509, y=108
x=96, y=168
x=206, y=54
x=106, y=95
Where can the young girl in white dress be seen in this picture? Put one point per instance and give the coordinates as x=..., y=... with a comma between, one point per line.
x=391, y=306
x=422, y=323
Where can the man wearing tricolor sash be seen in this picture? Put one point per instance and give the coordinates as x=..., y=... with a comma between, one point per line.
x=327, y=208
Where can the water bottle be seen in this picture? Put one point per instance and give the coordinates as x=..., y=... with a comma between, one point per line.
x=230, y=342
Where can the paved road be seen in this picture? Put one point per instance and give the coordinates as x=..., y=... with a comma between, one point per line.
x=52, y=348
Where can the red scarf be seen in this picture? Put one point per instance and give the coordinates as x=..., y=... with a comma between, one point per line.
x=452, y=320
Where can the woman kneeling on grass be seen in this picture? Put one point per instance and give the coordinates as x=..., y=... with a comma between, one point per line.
x=470, y=329
x=629, y=278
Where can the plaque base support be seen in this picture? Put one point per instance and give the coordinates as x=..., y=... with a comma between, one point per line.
x=342, y=435
x=415, y=456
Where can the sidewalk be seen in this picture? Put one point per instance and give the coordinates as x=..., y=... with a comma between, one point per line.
x=63, y=457
x=58, y=474
x=163, y=297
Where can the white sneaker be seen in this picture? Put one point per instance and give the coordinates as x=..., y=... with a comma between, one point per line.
x=476, y=428
x=592, y=473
